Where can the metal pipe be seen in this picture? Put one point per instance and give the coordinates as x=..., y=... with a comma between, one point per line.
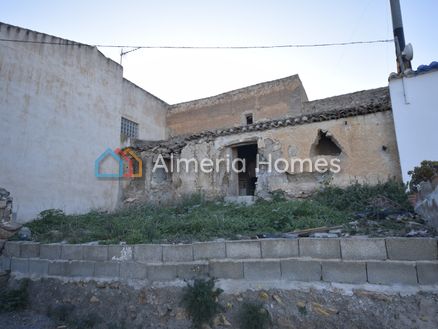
x=399, y=36
x=397, y=23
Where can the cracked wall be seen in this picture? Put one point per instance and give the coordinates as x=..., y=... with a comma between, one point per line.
x=368, y=155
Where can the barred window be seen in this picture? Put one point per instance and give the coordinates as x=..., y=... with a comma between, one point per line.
x=129, y=128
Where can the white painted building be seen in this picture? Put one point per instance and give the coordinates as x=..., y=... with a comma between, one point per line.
x=60, y=108
x=414, y=99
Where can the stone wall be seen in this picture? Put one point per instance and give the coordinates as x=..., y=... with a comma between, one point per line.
x=60, y=108
x=368, y=144
x=265, y=101
x=406, y=261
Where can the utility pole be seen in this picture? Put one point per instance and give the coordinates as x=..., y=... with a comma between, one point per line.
x=403, y=52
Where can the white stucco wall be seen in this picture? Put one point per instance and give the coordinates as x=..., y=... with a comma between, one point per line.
x=144, y=108
x=415, y=118
x=60, y=108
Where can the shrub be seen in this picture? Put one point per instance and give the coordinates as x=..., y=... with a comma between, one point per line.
x=14, y=299
x=201, y=301
x=64, y=314
x=253, y=315
x=60, y=313
x=357, y=197
x=51, y=213
x=423, y=173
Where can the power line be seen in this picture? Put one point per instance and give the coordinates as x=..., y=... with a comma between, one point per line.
x=69, y=43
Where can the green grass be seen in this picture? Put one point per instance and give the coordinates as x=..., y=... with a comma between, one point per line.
x=197, y=219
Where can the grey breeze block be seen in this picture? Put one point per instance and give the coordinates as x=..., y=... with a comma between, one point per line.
x=412, y=248
x=226, y=269
x=262, y=270
x=279, y=248
x=320, y=248
x=50, y=251
x=385, y=272
x=97, y=253
x=243, y=249
x=148, y=252
x=30, y=250
x=360, y=249
x=301, y=270
x=344, y=271
x=209, y=250
x=178, y=253
x=71, y=252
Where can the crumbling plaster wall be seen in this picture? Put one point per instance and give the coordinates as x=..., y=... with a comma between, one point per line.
x=268, y=100
x=369, y=152
x=369, y=155
x=60, y=108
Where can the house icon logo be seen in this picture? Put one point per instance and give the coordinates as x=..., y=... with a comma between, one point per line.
x=128, y=164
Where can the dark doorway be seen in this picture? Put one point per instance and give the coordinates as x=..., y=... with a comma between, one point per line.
x=249, y=119
x=247, y=178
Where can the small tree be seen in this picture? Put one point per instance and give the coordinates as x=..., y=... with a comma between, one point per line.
x=253, y=315
x=425, y=172
x=201, y=301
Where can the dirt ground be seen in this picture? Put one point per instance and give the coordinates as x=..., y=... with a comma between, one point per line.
x=115, y=305
x=26, y=320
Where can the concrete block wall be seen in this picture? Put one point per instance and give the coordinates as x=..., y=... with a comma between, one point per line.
x=406, y=261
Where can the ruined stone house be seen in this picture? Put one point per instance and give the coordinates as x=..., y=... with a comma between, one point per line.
x=271, y=119
x=62, y=103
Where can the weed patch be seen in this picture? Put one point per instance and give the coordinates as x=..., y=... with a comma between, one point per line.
x=195, y=219
x=201, y=302
x=14, y=299
x=253, y=315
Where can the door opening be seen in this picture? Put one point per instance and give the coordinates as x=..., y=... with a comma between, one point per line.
x=247, y=178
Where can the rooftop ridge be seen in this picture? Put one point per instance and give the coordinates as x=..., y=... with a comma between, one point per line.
x=234, y=92
x=176, y=143
x=382, y=89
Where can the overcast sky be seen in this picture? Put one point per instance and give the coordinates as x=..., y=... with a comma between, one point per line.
x=181, y=75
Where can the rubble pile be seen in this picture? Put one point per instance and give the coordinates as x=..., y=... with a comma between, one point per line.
x=5, y=206
x=7, y=227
